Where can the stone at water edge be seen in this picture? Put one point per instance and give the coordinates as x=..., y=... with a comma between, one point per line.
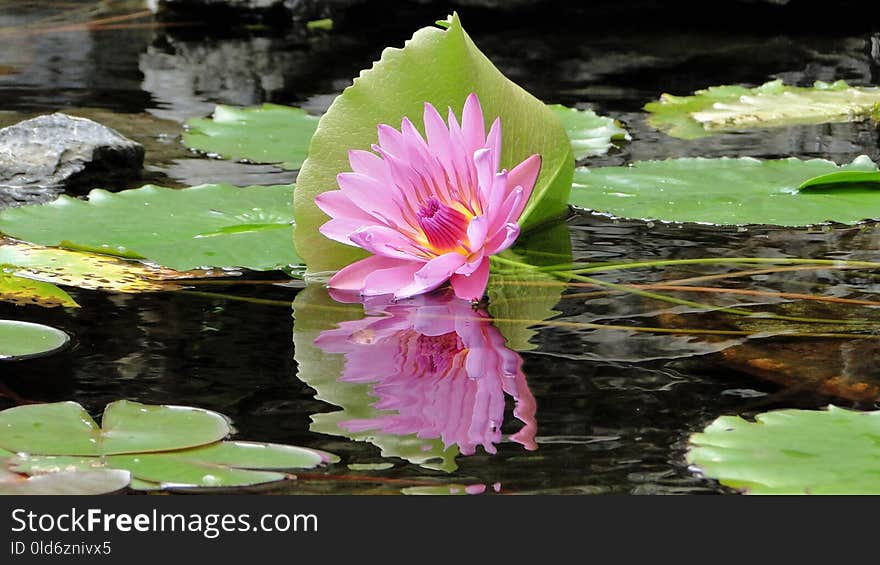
x=40, y=156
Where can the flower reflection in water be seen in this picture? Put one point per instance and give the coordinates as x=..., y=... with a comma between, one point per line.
x=439, y=369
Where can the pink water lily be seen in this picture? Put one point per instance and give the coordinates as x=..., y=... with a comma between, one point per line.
x=429, y=209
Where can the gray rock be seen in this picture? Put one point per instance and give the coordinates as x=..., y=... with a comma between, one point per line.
x=52, y=151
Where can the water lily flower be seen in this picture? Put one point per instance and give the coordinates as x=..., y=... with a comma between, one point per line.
x=429, y=209
x=438, y=369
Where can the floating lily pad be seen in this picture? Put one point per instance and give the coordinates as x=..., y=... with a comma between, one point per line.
x=590, y=133
x=65, y=428
x=730, y=191
x=25, y=340
x=26, y=292
x=832, y=451
x=265, y=134
x=214, y=225
x=441, y=67
x=99, y=481
x=731, y=108
x=84, y=270
x=222, y=464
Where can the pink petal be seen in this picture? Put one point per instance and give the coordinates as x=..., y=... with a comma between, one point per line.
x=381, y=240
x=493, y=142
x=371, y=196
x=473, y=286
x=507, y=212
x=391, y=140
x=340, y=229
x=389, y=281
x=352, y=277
x=367, y=163
x=483, y=162
x=432, y=274
x=438, y=135
x=472, y=125
x=525, y=174
x=476, y=232
x=503, y=239
x=336, y=204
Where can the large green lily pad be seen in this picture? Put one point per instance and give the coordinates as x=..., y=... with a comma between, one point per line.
x=265, y=134
x=833, y=451
x=24, y=340
x=730, y=191
x=65, y=428
x=441, y=67
x=590, y=133
x=214, y=225
x=731, y=108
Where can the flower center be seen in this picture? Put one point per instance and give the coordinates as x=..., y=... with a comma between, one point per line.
x=445, y=228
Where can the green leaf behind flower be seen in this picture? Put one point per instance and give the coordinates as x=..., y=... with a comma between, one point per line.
x=441, y=67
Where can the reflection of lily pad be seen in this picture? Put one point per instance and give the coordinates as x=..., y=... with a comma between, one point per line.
x=441, y=67
x=23, y=340
x=731, y=108
x=522, y=296
x=266, y=134
x=832, y=451
x=590, y=133
x=65, y=428
x=212, y=225
x=729, y=191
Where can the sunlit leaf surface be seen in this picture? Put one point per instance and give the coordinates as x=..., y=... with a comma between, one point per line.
x=441, y=67
x=212, y=225
x=92, y=271
x=729, y=191
x=26, y=292
x=731, y=108
x=833, y=451
x=265, y=134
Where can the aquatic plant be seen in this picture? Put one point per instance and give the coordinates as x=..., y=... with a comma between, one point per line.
x=428, y=210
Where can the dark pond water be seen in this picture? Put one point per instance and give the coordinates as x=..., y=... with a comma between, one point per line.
x=612, y=408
